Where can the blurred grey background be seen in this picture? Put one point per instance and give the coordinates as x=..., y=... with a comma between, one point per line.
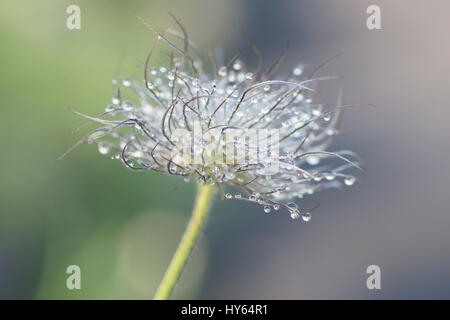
x=122, y=227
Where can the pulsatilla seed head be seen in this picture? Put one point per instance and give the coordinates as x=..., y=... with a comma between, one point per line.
x=223, y=124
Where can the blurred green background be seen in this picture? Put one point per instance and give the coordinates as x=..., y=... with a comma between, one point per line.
x=118, y=226
x=121, y=227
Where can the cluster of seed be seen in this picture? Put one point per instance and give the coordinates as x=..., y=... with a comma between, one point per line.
x=193, y=89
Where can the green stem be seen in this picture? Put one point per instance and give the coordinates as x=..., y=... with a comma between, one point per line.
x=203, y=200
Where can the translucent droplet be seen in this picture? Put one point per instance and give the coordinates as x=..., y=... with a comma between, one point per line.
x=237, y=65
x=313, y=160
x=238, y=195
x=316, y=112
x=276, y=207
x=109, y=108
x=267, y=209
x=295, y=214
x=266, y=88
x=163, y=69
x=126, y=82
x=230, y=175
x=327, y=117
x=115, y=100
x=349, y=181
x=228, y=196
x=103, y=149
x=329, y=176
x=292, y=206
x=232, y=76
x=222, y=71
x=297, y=71
x=306, y=216
x=127, y=105
x=249, y=76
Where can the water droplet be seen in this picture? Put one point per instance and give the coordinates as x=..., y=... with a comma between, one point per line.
x=222, y=71
x=228, y=196
x=241, y=77
x=103, y=149
x=267, y=209
x=276, y=207
x=295, y=214
x=306, y=216
x=329, y=176
x=249, y=76
x=349, y=181
x=115, y=100
x=109, y=108
x=266, y=88
x=127, y=105
x=232, y=76
x=297, y=71
x=237, y=65
x=313, y=160
x=230, y=175
x=238, y=195
x=292, y=205
x=316, y=112
x=126, y=82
